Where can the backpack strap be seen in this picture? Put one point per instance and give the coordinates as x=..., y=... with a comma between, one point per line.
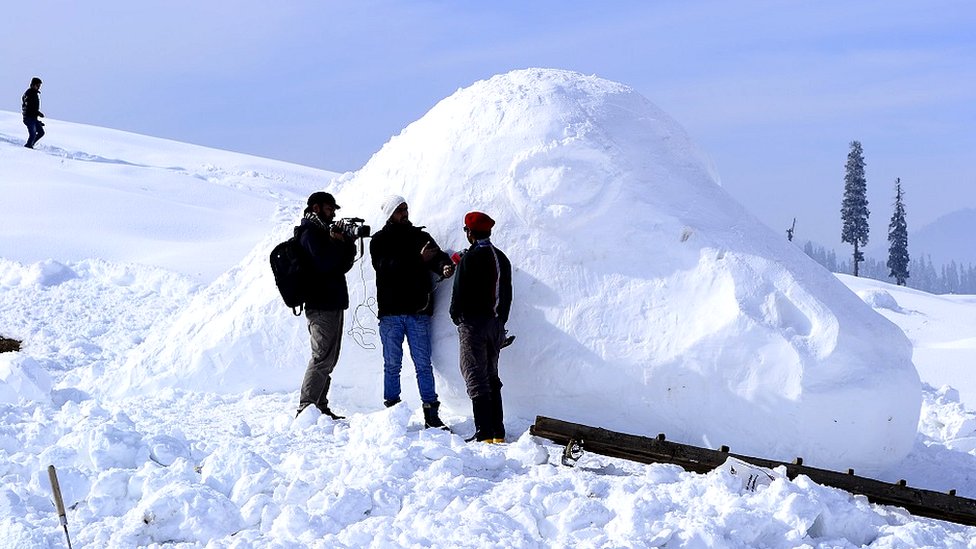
x=299, y=229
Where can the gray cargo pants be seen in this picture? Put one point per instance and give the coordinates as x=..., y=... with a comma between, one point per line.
x=480, y=342
x=325, y=335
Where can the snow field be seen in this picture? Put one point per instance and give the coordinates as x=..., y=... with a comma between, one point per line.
x=159, y=370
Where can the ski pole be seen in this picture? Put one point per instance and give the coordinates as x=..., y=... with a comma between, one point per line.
x=53, y=475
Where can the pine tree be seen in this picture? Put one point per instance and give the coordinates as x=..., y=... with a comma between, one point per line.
x=854, y=209
x=898, y=239
x=952, y=277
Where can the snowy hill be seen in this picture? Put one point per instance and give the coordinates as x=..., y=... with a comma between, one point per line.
x=945, y=239
x=139, y=199
x=165, y=393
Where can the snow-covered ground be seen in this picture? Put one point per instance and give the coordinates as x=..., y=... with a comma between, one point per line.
x=159, y=372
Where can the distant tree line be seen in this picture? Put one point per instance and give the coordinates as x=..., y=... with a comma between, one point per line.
x=952, y=278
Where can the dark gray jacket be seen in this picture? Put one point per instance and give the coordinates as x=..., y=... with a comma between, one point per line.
x=31, y=104
x=482, y=285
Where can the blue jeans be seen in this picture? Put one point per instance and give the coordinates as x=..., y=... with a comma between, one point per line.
x=416, y=328
x=35, y=131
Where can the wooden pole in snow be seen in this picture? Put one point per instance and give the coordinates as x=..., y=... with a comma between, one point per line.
x=58, y=502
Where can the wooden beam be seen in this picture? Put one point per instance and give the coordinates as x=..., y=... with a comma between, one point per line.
x=926, y=503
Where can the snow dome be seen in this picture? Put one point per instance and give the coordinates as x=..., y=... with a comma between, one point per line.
x=646, y=299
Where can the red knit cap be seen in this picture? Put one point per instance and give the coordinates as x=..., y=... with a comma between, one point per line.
x=477, y=221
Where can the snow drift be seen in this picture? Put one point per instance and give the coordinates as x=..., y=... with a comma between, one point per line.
x=646, y=299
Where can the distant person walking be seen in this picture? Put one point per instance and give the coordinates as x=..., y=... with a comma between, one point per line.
x=331, y=254
x=31, y=108
x=405, y=257
x=480, y=305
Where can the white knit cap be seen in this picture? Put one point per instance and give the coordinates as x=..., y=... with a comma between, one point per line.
x=391, y=203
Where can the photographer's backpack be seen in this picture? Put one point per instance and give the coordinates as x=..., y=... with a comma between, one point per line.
x=288, y=261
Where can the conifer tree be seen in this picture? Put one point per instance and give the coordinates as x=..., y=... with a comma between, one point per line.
x=854, y=209
x=898, y=239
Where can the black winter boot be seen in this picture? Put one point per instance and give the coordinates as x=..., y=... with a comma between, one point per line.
x=324, y=409
x=328, y=412
x=483, y=426
x=497, y=416
x=431, y=419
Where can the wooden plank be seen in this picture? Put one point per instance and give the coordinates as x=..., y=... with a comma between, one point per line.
x=641, y=449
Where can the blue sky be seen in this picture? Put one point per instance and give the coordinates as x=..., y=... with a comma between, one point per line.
x=772, y=91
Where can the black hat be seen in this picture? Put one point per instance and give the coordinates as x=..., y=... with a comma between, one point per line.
x=320, y=197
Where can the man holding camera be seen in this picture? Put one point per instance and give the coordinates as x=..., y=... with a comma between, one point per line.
x=480, y=305
x=405, y=257
x=331, y=253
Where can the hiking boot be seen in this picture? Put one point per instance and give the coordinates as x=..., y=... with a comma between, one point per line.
x=326, y=411
x=483, y=428
x=391, y=403
x=431, y=419
x=478, y=437
x=497, y=416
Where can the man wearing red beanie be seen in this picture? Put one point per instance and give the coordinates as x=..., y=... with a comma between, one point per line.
x=480, y=305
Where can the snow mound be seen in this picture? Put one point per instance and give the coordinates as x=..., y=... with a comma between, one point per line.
x=880, y=299
x=49, y=273
x=646, y=299
x=22, y=378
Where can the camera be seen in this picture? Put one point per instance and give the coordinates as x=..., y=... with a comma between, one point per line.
x=352, y=227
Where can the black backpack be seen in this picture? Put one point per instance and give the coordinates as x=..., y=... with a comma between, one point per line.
x=289, y=265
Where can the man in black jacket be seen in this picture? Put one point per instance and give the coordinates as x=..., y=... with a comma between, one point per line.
x=31, y=108
x=480, y=305
x=331, y=254
x=405, y=257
